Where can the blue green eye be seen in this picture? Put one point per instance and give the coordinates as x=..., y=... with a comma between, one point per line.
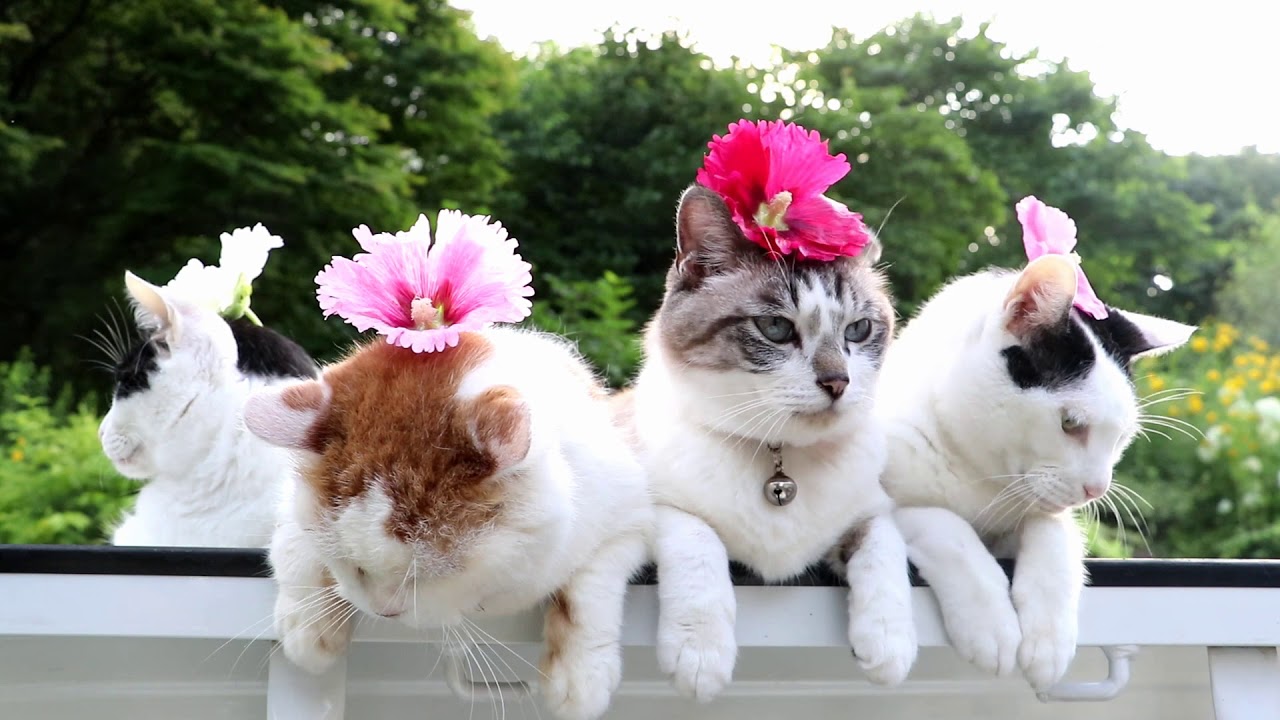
x=775, y=328
x=858, y=331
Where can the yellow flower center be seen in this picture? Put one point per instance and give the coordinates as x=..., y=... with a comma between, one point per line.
x=770, y=214
x=426, y=315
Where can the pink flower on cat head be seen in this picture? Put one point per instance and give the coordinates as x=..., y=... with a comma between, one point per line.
x=421, y=294
x=772, y=175
x=1047, y=230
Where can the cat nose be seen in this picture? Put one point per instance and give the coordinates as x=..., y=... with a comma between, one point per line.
x=834, y=385
x=1095, y=490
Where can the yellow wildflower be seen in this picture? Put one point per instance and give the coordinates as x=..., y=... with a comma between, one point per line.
x=1195, y=405
x=1255, y=374
x=16, y=455
x=1259, y=344
x=1241, y=361
x=1200, y=344
x=21, y=441
x=1213, y=376
x=1268, y=386
x=1233, y=453
x=1211, y=417
x=1258, y=360
x=1174, y=411
x=1156, y=383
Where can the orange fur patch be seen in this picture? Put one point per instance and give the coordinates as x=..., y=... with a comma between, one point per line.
x=394, y=417
x=557, y=629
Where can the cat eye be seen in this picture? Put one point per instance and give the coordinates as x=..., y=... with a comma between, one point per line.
x=858, y=331
x=775, y=328
x=1072, y=425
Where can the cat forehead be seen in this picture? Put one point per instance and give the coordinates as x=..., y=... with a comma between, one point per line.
x=1074, y=356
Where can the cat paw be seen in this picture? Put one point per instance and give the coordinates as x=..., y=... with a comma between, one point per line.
x=1048, y=645
x=579, y=686
x=987, y=635
x=698, y=652
x=885, y=646
x=312, y=637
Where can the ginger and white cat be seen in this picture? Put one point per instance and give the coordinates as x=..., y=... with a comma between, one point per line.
x=483, y=479
x=1006, y=409
x=746, y=353
x=175, y=423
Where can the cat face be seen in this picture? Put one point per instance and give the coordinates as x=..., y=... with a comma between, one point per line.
x=786, y=349
x=1041, y=392
x=417, y=482
x=170, y=383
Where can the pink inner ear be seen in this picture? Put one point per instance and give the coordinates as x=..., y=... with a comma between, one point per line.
x=1042, y=295
x=285, y=416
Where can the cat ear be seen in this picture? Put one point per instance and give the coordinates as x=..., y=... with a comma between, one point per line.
x=286, y=416
x=708, y=241
x=153, y=311
x=500, y=425
x=1155, y=336
x=1042, y=296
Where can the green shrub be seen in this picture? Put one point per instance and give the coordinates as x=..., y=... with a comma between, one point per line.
x=596, y=315
x=56, y=486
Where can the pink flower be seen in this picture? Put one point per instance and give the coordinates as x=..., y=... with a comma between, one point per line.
x=422, y=294
x=772, y=175
x=1049, y=231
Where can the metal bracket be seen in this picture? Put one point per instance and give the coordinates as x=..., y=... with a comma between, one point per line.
x=1117, y=678
x=466, y=688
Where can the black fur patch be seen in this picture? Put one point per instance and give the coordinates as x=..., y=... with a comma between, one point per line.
x=259, y=351
x=1119, y=337
x=266, y=353
x=1053, y=358
x=133, y=372
x=1060, y=356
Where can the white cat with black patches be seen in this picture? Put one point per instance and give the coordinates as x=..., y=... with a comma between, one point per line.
x=1006, y=409
x=754, y=365
x=175, y=423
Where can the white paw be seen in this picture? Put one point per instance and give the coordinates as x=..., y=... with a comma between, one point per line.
x=579, y=685
x=986, y=634
x=698, y=651
x=312, y=637
x=1048, y=643
x=885, y=645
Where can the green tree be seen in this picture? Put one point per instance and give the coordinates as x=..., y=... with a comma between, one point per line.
x=139, y=130
x=602, y=141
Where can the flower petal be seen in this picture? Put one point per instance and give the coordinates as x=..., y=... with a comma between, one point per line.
x=821, y=229
x=244, y=251
x=799, y=162
x=1086, y=299
x=1046, y=230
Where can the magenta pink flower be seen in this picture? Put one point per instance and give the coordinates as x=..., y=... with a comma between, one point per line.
x=421, y=294
x=1047, y=230
x=772, y=175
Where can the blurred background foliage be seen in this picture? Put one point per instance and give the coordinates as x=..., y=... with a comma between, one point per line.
x=136, y=131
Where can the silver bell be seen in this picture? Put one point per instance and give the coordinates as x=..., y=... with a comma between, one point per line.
x=780, y=489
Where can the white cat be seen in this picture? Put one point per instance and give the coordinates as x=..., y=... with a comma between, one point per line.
x=436, y=487
x=175, y=423
x=1006, y=409
x=747, y=354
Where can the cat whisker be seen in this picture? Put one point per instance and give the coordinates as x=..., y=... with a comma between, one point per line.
x=1169, y=395
x=1146, y=431
x=493, y=673
x=499, y=643
x=1172, y=423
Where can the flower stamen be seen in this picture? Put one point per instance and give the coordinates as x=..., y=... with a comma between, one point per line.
x=772, y=214
x=426, y=315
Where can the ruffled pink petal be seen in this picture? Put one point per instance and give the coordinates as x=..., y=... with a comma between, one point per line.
x=821, y=229
x=1045, y=230
x=737, y=168
x=376, y=287
x=799, y=162
x=1086, y=299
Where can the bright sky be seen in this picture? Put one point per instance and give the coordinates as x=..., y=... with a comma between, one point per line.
x=1195, y=77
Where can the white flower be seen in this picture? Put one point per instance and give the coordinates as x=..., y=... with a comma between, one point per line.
x=1252, y=463
x=1268, y=409
x=225, y=288
x=1224, y=506
x=245, y=250
x=204, y=285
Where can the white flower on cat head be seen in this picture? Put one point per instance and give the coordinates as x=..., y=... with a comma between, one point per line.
x=226, y=288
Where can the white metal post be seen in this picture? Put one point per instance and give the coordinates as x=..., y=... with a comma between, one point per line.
x=1245, y=682
x=295, y=694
